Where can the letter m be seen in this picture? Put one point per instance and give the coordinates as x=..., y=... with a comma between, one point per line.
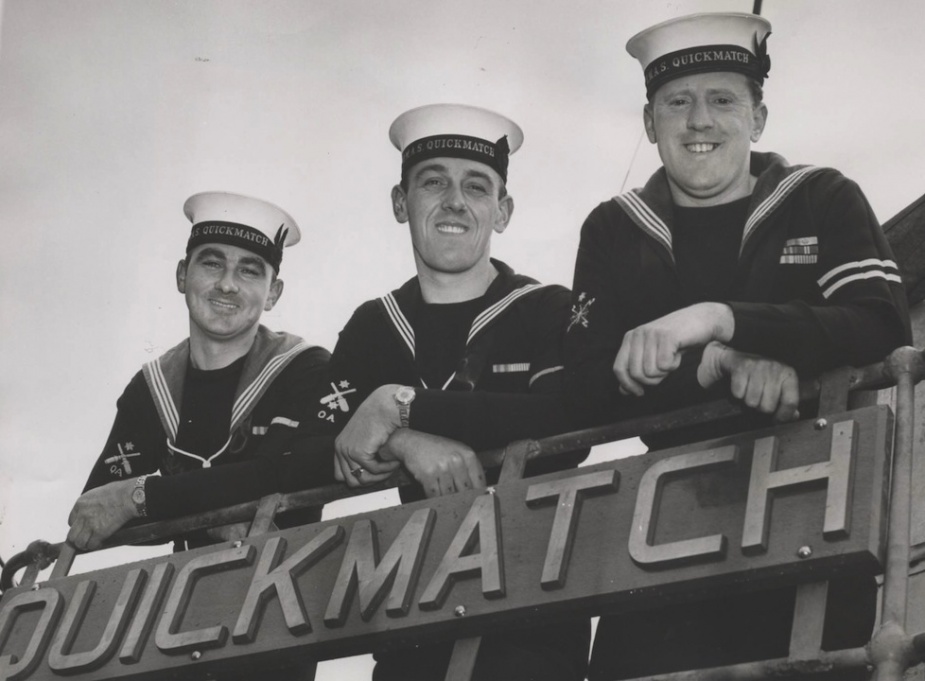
x=399, y=569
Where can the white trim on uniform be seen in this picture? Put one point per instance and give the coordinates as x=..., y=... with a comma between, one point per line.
x=163, y=397
x=634, y=205
x=399, y=321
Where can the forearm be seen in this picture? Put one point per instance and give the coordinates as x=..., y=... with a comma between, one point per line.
x=310, y=464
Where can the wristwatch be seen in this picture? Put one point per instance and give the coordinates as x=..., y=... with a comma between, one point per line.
x=138, y=497
x=404, y=396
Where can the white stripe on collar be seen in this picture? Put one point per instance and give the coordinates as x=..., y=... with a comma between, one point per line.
x=645, y=217
x=774, y=199
x=399, y=320
x=488, y=314
x=252, y=393
x=164, y=398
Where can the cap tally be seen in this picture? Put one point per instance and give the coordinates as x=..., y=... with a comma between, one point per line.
x=456, y=131
x=237, y=220
x=699, y=43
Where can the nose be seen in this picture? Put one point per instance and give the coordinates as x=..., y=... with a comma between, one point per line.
x=700, y=117
x=226, y=283
x=453, y=198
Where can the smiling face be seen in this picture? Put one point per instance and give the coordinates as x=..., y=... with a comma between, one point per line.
x=452, y=206
x=227, y=288
x=704, y=125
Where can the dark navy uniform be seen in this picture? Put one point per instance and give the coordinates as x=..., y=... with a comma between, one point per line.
x=504, y=347
x=813, y=284
x=174, y=419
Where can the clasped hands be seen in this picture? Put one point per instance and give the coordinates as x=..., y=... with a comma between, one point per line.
x=373, y=445
x=651, y=351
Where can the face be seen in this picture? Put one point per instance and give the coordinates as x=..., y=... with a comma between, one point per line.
x=227, y=288
x=704, y=125
x=452, y=207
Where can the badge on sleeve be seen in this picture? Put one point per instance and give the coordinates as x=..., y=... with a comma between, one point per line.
x=580, y=311
x=119, y=464
x=336, y=401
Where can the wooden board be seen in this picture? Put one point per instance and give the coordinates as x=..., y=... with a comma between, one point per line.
x=788, y=504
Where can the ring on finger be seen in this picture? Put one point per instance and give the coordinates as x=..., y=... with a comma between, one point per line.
x=356, y=472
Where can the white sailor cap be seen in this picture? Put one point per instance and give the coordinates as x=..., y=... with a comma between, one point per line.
x=237, y=220
x=457, y=131
x=698, y=43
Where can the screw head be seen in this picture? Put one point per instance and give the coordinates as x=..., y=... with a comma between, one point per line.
x=238, y=544
x=195, y=655
x=35, y=587
x=491, y=490
x=821, y=424
x=459, y=610
x=804, y=551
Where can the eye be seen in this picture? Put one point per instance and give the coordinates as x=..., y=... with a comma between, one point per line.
x=432, y=182
x=211, y=264
x=476, y=188
x=252, y=272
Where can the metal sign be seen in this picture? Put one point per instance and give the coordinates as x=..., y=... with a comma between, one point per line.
x=798, y=501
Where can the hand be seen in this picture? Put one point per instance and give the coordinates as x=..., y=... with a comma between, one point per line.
x=441, y=465
x=356, y=459
x=99, y=513
x=763, y=384
x=652, y=351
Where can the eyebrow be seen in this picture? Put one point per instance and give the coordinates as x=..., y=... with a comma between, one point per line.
x=208, y=252
x=254, y=261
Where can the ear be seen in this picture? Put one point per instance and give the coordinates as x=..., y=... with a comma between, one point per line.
x=399, y=204
x=276, y=292
x=648, y=120
x=181, y=276
x=505, y=211
x=759, y=120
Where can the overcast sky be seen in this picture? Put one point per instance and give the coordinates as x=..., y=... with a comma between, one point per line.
x=112, y=112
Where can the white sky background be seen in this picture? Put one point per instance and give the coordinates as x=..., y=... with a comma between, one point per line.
x=112, y=112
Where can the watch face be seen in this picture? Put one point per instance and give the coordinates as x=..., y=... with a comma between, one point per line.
x=404, y=395
x=138, y=495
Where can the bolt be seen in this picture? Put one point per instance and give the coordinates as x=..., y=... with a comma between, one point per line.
x=36, y=586
x=238, y=544
x=196, y=655
x=490, y=490
x=460, y=611
x=804, y=551
x=821, y=424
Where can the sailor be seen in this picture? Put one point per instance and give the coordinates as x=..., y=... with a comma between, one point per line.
x=731, y=270
x=466, y=349
x=220, y=411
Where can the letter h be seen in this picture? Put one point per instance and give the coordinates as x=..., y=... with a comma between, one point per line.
x=837, y=471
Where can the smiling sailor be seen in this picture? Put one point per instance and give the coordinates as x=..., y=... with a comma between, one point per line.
x=466, y=349
x=233, y=392
x=728, y=262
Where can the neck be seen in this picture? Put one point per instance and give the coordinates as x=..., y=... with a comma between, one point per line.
x=455, y=287
x=209, y=354
x=734, y=193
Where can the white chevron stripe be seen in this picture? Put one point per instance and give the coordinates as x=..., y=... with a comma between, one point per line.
x=779, y=194
x=856, y=265
x=399, y=320
x=493, y=311
x=544, y=372
x=632, y=202
x=873, y=274
x=164, y=399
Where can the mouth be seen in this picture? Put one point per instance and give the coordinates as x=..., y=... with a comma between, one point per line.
x=222, y=305
x=701, y=147
x=451, y=228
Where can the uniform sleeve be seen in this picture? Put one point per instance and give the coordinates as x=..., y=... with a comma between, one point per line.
x=858, y=313
x=308, y=463
x=134, y=441
x=351, y=374
x=487, y=420
x=598, y=320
